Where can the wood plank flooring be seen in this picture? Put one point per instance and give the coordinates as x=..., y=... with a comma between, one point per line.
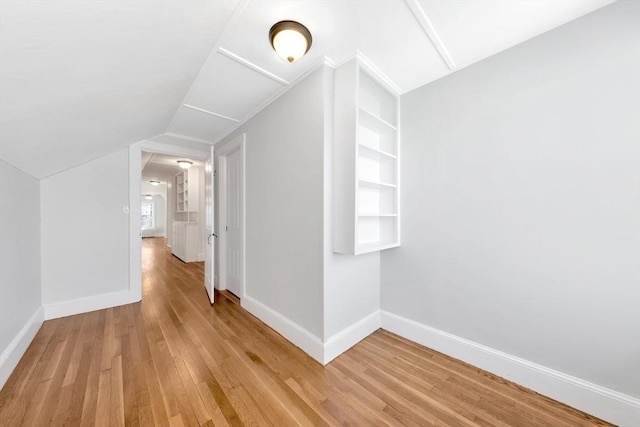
x=174, y=360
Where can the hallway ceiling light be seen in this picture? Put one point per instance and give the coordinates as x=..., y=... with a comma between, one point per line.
x=290, y=39
x=154, y=183
x=185, y=164
x=148, y=197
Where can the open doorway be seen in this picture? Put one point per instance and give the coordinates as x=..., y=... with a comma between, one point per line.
x=231, y=214
x=167, y=213
x=183, y=216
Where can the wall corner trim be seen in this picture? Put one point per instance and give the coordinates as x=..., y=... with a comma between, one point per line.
x=18, y=346
x=600, y=401
x=308, y=342
x=322, y=352
x=92, y=303
x=350, y=336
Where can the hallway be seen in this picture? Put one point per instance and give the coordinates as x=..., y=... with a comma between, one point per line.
x=173, y=359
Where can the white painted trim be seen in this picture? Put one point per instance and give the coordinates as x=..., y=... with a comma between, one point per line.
x=230, y=24
x=296, y=334
x=211, y=113
x=18, y=346
x=170, y=149
x=350, y=336
x=272, y=98
x=602, y=402
x=372, y=70
x=92, y=303
x=222, y=151
x=185, y=137
x=430, y=31
x=135, y=228
x=240, y=60
x=377, y=74
x=135, y=176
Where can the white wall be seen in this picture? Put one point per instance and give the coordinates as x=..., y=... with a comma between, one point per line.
x=85, y=241
x=20, y=295
x=520, y=202
x=284, y=204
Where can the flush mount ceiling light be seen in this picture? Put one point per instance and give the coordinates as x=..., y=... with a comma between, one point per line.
x=290, y=39
x=154, y=183
x=185, y=164
x=148, y=197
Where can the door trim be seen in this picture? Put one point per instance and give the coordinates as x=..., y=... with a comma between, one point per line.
x=221, y=153
x=135, y=180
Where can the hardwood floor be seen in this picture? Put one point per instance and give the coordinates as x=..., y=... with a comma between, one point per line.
x=176, y=360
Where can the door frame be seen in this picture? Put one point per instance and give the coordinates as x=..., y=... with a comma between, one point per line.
x=221, y=154
x=135, y=180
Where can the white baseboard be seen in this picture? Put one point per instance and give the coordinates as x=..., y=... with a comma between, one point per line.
x=201, y=256
x=348, y=337
x=18, y=346
x=323, y=352
x=85, y=305
x=602, y=402
x=308, y=342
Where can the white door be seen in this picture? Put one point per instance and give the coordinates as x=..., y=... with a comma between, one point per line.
x=233, y=227
x=209, y=260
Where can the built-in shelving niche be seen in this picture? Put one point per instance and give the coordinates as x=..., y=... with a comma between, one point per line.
x=366, y=162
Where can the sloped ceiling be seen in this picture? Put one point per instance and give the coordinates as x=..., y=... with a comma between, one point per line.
x=81, y=79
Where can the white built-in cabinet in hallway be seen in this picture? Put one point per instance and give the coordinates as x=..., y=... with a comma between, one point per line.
x=186, y=238
x=365, y=168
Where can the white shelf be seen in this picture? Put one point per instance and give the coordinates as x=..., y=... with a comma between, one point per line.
x=365, y=162
x=375, y=123
x=380, y=215
x=187, y=187
x=375, y=184
x=374, y=247
x=376, y=151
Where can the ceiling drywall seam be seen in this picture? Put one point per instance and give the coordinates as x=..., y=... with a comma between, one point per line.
x=240, y=60
x=230, y=23
x=211, y=113
x=324, y=61
x=428, y=29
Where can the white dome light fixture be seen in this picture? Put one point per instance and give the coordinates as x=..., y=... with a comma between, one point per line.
x=185, y=164
x=290, y=39
x=148, y=197
x=154, y=183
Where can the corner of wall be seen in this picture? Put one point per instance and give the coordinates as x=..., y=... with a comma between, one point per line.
x=18, y=346
x=321, y=351
x=350, y=336
x=305, y=340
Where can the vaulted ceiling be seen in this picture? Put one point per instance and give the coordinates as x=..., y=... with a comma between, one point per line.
x=80, y=79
